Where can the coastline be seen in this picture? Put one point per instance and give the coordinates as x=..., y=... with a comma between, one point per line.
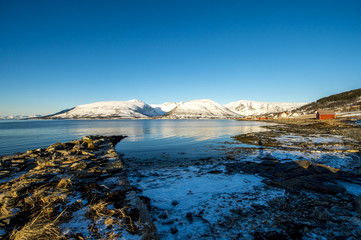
x=301, y=182
x=73, y=190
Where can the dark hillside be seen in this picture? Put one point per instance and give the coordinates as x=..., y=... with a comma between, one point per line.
x=346, y=101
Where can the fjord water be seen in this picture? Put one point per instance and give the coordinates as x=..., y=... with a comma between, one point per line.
x=146, y=138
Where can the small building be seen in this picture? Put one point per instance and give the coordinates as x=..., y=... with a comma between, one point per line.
x=263, y=118
x=284, y=115
x=325, y=114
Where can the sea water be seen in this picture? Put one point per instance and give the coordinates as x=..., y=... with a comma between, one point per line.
x=149, y=138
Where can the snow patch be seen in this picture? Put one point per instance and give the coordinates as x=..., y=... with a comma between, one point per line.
x=162, y=109
x=188, y=201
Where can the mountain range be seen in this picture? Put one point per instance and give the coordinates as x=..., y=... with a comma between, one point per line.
x=204, y=108
x=135, y=109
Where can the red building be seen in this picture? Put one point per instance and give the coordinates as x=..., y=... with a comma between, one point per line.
x=325, y=114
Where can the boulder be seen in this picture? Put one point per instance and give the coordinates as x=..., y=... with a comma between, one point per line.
x=323, y=169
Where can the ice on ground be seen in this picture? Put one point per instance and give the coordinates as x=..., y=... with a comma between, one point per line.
x=344, y=161
x=352, y=188
x=191, y=203
x=315, y=142
x=314, y=139
x=192, y=190
x=79, y=223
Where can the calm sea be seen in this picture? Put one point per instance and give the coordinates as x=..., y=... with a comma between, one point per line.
x=146, y=138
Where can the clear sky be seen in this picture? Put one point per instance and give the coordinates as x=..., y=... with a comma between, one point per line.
x=57, y=54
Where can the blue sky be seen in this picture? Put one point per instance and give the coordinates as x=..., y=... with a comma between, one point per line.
x=58, y=54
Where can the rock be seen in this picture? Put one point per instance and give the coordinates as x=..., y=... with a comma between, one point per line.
x=5, y=222
x=303, y=163
x=310, y=182
x=78, y=166
x=164, y=214
x=175, y=203
x=270, y=162
x=189, y=217
x=55, y=147
x=321, y=214
x=357, y=204
x=323, y=169
x=324, y=187
x=173, y=230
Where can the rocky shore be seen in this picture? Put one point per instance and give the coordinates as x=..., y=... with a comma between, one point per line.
x=74, y=190
x=296, y=180
x=318, y=165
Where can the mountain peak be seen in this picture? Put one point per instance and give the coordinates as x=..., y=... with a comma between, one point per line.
x=109, y=109
x=202, y=108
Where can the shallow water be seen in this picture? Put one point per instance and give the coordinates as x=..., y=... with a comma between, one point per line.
x=146, y=138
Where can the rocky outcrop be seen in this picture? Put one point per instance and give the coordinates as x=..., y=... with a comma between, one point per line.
x=294, y=175
x=74, y=190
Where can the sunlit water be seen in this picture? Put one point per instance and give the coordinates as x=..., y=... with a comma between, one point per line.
x=146, y=138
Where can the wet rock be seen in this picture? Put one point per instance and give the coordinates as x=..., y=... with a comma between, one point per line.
x=189, y=217
x=175, y=203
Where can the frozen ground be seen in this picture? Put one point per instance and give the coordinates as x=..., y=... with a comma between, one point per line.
x=332, y=150
x=199, y=202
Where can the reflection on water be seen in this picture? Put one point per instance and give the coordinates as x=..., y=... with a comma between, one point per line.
x=185, y=139
x=146, y=138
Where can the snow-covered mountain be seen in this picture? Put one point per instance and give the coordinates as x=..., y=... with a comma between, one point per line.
x=193, y=109
x=249, y=108
x=204, y=108
x=111, y=109
x=18, y=117
x=162, y=109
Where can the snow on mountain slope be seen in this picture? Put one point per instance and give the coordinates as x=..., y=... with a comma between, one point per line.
x=111, y=109
x=162, y=109
x=248, y=108
x=204, y=108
